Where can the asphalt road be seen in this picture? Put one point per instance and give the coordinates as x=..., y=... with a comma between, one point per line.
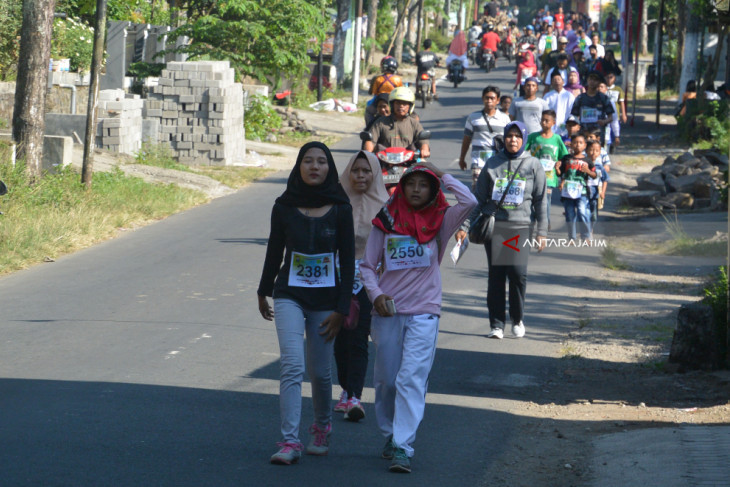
x=144, y=360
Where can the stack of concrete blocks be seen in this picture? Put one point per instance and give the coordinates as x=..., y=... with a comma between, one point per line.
x=119, y=126
x=200, y=112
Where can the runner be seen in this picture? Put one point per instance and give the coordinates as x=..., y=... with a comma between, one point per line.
x=561, y=101
x=525, y=196
x=549, y=149
x=592, y=108
x=528, y=109
x=409, y=237
x=596, y=186
x=362, y=180
x=310, y=298
x=574, y=173
x=480, y=130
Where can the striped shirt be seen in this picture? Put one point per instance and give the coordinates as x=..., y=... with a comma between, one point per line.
x=481, y=138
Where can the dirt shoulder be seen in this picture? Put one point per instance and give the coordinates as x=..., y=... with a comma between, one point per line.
x=613, y=376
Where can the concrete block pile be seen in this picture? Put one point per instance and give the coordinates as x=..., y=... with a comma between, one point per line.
x=200, y=112
x=119, y=117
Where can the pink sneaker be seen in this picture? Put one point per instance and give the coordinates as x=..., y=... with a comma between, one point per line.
x=354, y=412
x=320, y=442
x=288, y=453
x=341, y=405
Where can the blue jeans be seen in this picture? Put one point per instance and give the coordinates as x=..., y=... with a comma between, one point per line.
x=578, y=211
x=292, y=321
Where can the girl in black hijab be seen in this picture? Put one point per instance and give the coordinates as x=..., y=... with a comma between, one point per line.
x=311, y=228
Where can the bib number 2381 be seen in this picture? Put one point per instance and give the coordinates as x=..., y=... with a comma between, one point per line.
x=404, y=252
x=312, y=270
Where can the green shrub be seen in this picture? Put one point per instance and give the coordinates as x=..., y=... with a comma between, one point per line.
x=707, y=121
x=260, y=118
x=73, y=39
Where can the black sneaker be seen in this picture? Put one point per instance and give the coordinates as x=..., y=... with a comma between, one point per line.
x=401, y=463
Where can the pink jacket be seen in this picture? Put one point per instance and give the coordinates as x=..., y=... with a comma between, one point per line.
x=416, y=290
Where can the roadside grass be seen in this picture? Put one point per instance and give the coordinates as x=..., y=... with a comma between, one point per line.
x=663, y=95
x=58, y=215
x=610, y=259
x=298, y=139
x=160, y=155
x=568, y=352
x=683, y=244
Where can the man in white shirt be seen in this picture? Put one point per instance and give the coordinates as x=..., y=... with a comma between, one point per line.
x=561, y=101
x=600, y=50
x=563, y=68
x=479, y=132
x=548, y=42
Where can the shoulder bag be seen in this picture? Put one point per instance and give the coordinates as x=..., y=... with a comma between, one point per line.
x=482, y=228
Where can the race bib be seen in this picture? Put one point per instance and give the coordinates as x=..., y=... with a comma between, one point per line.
x=515, y=193
x=404, y=252
x=547, y=164
x=572, y=190
x=480, y=157
x=312, y=270
x=597, y=180
x=588, y=115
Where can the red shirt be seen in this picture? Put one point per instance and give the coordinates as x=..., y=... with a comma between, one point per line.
x=559, y=21
x=490, y=41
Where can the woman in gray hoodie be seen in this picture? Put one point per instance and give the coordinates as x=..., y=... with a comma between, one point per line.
x=526, y=196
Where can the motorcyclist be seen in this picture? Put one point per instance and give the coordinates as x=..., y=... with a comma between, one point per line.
x=381, y=109
x=528, y=37
x=474, y=32
x=388, y=81
x=426, y=60
x=399, y=129
x=490, y=40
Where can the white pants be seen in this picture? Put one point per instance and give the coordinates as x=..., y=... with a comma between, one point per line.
x=405, y=347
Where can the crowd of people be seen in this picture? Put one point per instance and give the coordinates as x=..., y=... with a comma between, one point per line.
x=344, y=254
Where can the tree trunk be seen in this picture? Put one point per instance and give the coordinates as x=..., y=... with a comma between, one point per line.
x=338, y=56
x=681, y=29
x=691, y=45
x=400, y=30
x=644, y=48
x=445, y=26
x=413, y=26
x=32, y=83
x=372, y=25
x=714, y=65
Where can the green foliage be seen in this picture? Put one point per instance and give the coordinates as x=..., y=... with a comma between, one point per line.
x=385, y=25
x=708, y=121
x=138, y=11
x=74, y=39
x=158, y=155
x=440, y=42
x=264, y=40
x=11, y=18
x=260, y=119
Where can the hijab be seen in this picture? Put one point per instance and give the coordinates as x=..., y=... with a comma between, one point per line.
x=528, y=60
x=299, y=194
x=397, y=216
x=364, y=205
x=573, y=86
x=458, y=45
x=523, y=130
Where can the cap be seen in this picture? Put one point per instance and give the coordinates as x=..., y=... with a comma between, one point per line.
x=571, y=119
x=563, y=39
x=534, y=79
x=529, y=27
x=578, y=50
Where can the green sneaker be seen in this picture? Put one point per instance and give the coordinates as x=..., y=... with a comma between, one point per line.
x=388, y=449
x=401, y=463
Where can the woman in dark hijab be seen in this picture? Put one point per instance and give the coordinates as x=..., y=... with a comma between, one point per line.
x=311, y=228
x=525, y=197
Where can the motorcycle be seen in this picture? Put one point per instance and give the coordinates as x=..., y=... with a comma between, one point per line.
x=488, y=60
x=474, y=52
x=507, y=49
x=456, y=72
x=424, y=90
x=395, y=160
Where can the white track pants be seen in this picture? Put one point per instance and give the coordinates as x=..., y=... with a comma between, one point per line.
x=405, y=347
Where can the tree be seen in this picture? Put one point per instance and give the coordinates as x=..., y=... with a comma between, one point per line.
x=264, y=40
x=338, y=54
x=372, y=25
x=31, y=85
x=11, y=16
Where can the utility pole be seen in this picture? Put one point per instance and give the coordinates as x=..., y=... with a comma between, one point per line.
x=87, y=167
x=660, y=43
x=420, y=25
x=32, y=83
x=358, y=47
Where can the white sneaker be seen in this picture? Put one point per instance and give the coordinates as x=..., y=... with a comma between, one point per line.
x=518, y=329
x=496, y=333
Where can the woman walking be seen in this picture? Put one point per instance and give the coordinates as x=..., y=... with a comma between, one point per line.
x=362, y=180
x=526, y=195
x=311, y=227
x=409, y=238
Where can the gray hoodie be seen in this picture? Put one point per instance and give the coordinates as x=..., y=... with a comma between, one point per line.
x=534, y=198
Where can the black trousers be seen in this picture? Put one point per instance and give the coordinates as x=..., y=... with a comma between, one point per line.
x=499, y=274
x=351, y=350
